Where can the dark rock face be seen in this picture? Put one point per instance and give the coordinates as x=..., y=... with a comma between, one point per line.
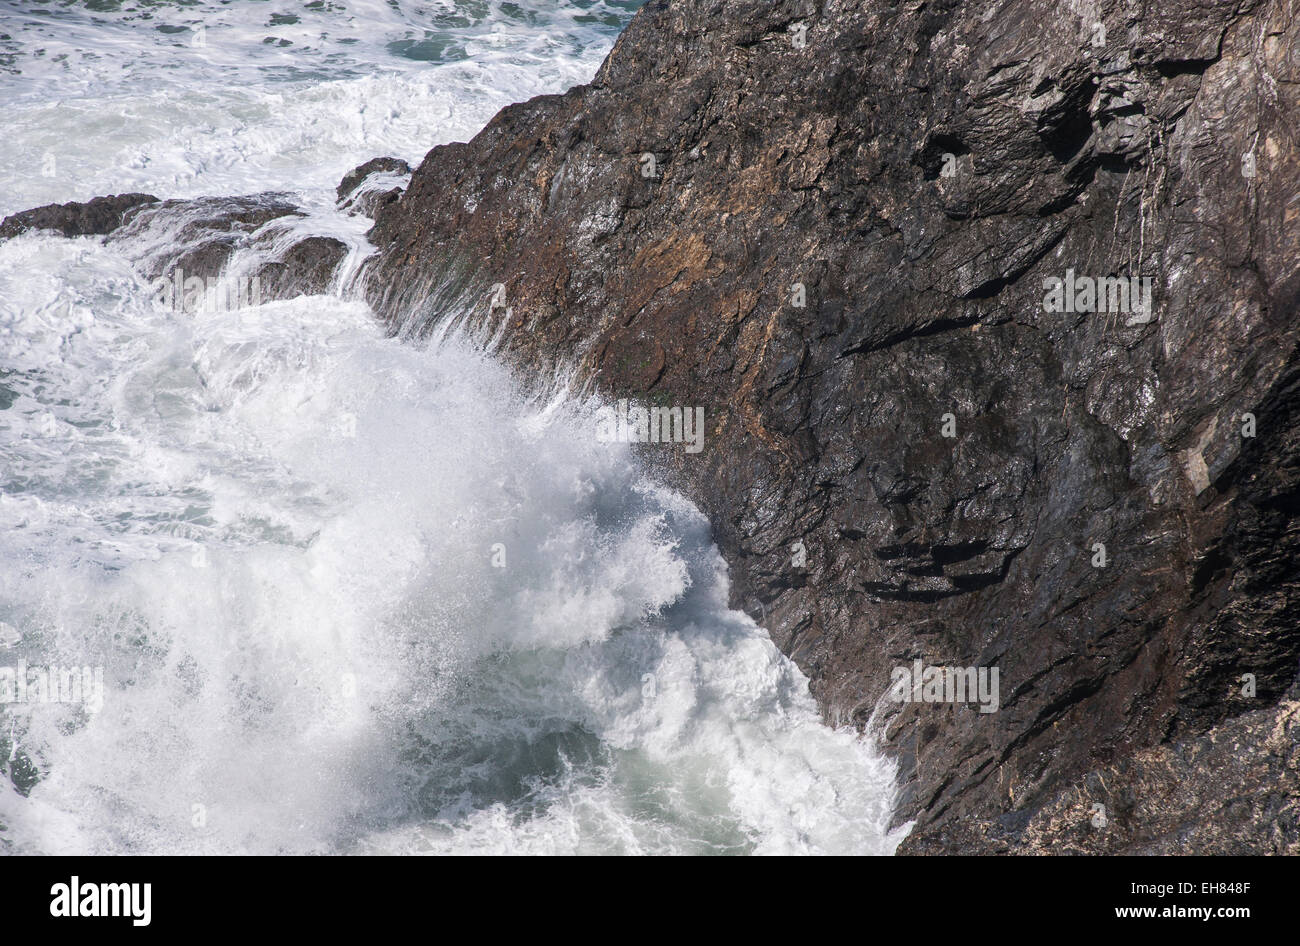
x=365, y=189
x=1230, y=791
x=868, y=238
x=94, y=218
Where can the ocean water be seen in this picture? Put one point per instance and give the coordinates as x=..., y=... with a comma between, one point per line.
x=336, y=592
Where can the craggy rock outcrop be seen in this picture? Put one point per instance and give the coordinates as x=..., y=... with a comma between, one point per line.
x=94, y=218
x=198, y=238
x=374, y=184
x=187, y=239
x=836, y=226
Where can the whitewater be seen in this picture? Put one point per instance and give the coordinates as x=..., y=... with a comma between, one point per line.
x=349, y=593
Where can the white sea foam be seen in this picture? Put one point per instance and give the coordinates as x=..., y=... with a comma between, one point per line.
x=119, y=98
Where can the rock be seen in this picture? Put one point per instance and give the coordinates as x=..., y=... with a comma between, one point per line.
x=94, y=218
x=365, y=189
x=843, y=229
x=198, y=238
x=1159, y=801
x=305, y=268
x=175, y=240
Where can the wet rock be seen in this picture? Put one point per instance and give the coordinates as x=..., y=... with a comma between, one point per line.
x=199, y=236
x=1160, y=801
x=93, y=218
x=176, y=240
x=305, y=268
x=374, y=184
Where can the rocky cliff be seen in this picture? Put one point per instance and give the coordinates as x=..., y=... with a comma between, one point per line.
x=992, y=309
x=839, y=228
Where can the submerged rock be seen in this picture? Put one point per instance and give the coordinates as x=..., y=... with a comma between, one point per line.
x=199, y=236
x=197, y=239
x=175, y=241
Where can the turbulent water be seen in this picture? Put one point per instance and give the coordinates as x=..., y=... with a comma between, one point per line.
x=348, y=593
